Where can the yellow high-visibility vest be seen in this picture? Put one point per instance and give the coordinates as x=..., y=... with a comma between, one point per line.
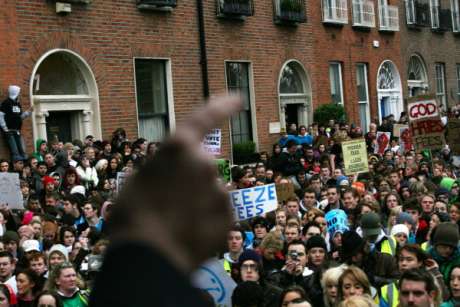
x=390, y=294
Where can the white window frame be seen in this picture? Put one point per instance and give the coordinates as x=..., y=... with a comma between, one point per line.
x=440, y=77
x=169, y=89
x=339, y=64
x=365, y=10
x=410, y=12
x=339, y=10
x=434, y=7
x=455, y=11
x=252, y=102
x=366, y=102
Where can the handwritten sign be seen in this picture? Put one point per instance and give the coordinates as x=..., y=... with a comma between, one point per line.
x=121, y=178
x=212, y=278
x=212, y=142
x=337, y=220
x=355, y=157
x=223, y=167
x=453, y=135
x=10, y=191
x=383, y=142
x=425, y=123
x=397, y=128
x=252, y=202
x=405, y=139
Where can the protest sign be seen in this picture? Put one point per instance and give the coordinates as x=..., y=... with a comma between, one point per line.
x=10, y=191
x=284, y=191
x=383, y=142
x=223, y=167
x=121, y=178
x=397, y=128
x=212, y=142
x=425, y=123
x=252, y=202
x=405, y=139
x=453, y=135
x=336, y=220
x=211, y=277
x=355, y=157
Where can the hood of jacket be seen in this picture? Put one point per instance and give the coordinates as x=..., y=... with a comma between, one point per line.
x=13, y=92
x=38, y=143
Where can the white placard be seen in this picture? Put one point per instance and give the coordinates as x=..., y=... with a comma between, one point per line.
x=212, y=142
x=212, y=278
x=10, y=191
x=252, y=202
x=274, y=127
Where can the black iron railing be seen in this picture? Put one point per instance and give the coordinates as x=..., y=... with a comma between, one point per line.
x=235, y=8
x=156, y=3
x=290, y=11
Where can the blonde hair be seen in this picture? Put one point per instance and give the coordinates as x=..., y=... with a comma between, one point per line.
x=359, y=276
x=331, y=276
x=394, y=212
x=358, y=301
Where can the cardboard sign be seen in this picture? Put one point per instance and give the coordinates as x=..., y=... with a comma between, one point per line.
x=252, y=202
x=425, y=123
x=383, y=142
x=405, y=139
x=212, y=278
x=453, y=135
x=284, y=191
x=212, y=142
x=397, y=128
x=223, y=167
x=337, y=220
x=355, y=157
x=10, y=191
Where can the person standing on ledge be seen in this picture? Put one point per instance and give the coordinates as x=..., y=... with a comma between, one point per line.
x=11, y=117
x=164, y=240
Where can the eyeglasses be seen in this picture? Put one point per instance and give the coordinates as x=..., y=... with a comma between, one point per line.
x=247, y=267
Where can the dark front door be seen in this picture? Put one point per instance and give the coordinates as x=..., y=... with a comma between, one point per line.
x=58, y=126
x=291, y=114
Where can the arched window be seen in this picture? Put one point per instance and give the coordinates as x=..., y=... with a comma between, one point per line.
x=389, y=90
x=417, y=80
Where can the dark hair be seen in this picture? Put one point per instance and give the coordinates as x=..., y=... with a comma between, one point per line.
x=412, y=204
x=449, y=277
x=240, y=230
x=291, y=143
x=248, y=293
x=418, y=275
x=33, y=278
x=6, y=291
x=7, y=254
x=50, y=293
x=296, y=242
x=308, y=225
x=414, y=249
x=299, y=290
x=63, y=230
x=308, y=190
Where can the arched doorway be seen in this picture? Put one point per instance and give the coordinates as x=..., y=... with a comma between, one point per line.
x=65, y=97
x=389, y=91
x=294, y=95
x=417, y=80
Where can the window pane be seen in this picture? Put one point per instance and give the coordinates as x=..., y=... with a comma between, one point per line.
x=361, y=82
x=291, y=82
x=363, y=116
x=152, y=99
x=458, y=82
x=336, y=83
x=238, y=80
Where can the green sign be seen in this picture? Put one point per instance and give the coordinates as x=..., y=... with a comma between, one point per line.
x=355, y=157
x=224, y=169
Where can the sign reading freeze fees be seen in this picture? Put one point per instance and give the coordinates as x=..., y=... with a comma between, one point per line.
x=248, y=203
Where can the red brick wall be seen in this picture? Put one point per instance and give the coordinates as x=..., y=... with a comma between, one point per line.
x=350, y=46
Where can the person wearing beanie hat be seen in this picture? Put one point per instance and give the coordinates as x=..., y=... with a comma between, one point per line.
x=260, y=228
x=248, y=293
x=445, y=250
x=11, y=240
x=401, y=233
x=380, y=268
x=316, y=252
x=57, y=255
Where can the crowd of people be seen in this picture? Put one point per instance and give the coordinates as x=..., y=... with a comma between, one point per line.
x=398, y=246
x=51, y=251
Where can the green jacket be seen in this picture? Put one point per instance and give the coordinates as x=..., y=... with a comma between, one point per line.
x=37, y=153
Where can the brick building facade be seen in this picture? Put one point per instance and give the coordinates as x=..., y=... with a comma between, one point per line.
x=109, y=64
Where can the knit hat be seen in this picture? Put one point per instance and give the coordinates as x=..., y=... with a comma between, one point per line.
x=31, y=245
x=370, y=224
x=342, y=181
x=447, y=183
x=78, y=189
x=446, y=234
x=316, y=242
x=60, y=249
x=11, y=236
x=405, y=217
x=352, y=243
x=260, y=221
x=400, y=228
x=249, y=254
x=48, y=179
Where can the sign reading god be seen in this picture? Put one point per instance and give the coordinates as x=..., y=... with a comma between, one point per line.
x=355, y=157
x=425, y=123
x=252, y=202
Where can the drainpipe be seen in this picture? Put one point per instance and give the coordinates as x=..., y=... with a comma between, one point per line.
x=203, y=55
